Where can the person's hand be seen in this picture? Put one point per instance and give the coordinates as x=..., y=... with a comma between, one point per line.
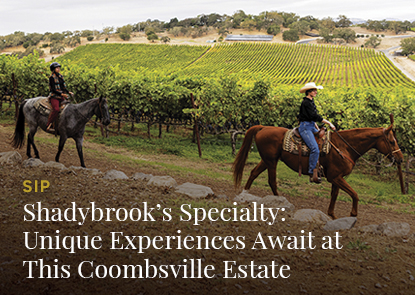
x=71, y=93
x=64, y=95
x=332, y=126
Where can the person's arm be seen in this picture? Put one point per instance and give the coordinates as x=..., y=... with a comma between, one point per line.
x=330, y=124
x=312, y=112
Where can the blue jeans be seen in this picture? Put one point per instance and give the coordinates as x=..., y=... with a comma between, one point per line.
x=307, y=130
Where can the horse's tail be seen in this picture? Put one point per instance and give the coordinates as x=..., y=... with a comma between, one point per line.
x=18, y=139
x=239, y=163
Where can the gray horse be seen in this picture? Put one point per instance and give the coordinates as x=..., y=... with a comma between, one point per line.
x=71, y=123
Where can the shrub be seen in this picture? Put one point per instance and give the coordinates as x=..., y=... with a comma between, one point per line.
x=165, y=39
x=290, y=35
x=152, y=37
x=90, y=38
x=273, y=30
x=125, y=36
x=45, y=45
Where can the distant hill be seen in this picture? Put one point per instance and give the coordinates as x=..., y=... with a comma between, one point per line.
x=357, y=21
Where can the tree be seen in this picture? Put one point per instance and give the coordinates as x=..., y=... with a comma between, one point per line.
x=175, y=31
x=273, y=29
x=152, y=37
x=57, y=47
x=213, y=18
x=165, y=39
x=172, y=23
x=108, y=30
x=312, y=22
x=326, y=35
x=328, y=23
x=375, y=25
x=223, y=31
x=260, y=22
x=90, y=38
x=274, y=17
x=248, y=24
x=301, y=26
x=73, y=41
x=373, y=41
x=34, y=38
x=238, y=17
x=290, y=35
x=348, y=35
x=56, y=37
x=397, y=27
x=288, y=18
x=408, y=46
x=148, y=30
x=86, y=33
x=343, y=22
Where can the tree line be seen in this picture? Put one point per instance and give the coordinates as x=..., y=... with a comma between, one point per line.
x=290, y=24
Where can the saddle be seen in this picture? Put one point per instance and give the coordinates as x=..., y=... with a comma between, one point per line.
x=294, y=144
x=44, y=106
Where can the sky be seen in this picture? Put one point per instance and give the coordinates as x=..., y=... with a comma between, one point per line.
x=60, y=15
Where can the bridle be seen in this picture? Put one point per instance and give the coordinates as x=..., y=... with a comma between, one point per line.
x=100, y=106
x=391, y=151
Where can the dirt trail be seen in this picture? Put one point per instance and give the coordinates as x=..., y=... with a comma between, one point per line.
x=367, y=263
x=96, y=156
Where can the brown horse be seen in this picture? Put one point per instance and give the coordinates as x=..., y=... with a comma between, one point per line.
x=348, y=145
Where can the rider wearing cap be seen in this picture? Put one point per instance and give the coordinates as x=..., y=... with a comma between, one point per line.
x=308, y=117
x=58, y=93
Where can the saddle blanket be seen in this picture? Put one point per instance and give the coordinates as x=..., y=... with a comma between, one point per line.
x=291, y=143
x=44, y=107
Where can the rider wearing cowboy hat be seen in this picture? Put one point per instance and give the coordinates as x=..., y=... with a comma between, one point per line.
x=58, y=93
x=308, y=117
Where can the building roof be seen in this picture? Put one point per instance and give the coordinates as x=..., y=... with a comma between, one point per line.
x=249, y=38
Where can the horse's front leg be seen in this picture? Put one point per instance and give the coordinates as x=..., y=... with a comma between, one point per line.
x=342, y=184
x=62, y=140
x=79, y=142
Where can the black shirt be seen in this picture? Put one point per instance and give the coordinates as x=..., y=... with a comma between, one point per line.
x=53, y=87
x=308, y=111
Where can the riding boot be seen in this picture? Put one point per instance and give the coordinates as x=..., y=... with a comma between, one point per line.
x=314, y=178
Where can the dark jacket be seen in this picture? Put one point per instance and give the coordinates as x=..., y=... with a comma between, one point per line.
x=57, y=85
x=308, y=111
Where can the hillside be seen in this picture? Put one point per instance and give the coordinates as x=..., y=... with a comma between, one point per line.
x=134, y=56
x=283, y=63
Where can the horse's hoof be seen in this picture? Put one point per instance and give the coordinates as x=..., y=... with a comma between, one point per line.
x=353, y=215
x=334, y=217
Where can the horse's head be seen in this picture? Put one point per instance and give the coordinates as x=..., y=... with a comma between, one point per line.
x=388, y=145
x=102, y=112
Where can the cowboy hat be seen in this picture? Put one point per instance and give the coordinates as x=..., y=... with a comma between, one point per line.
x=310, y=85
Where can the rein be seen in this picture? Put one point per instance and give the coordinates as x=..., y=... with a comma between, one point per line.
x=100, y=109
x=360, y=155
